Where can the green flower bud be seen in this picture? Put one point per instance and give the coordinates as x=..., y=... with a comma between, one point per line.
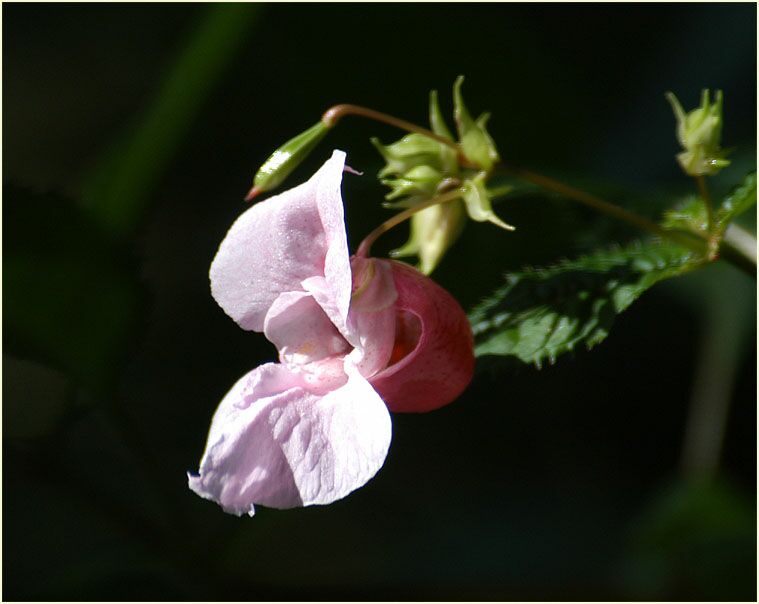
x=474, y=139
x=433, y=231
x=699, y=132
x=478, y=204
x=285, y=159
x=411, y=151
x=419, y=181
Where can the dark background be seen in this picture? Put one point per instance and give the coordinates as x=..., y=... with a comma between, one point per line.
x=130, y=135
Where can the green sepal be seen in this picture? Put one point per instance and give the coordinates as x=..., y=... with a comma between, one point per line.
x=478, y=204
x=438, y=125
x=474, y=140
x=437, y=121
x=699, y=132
x=421, y=180
x=433, y=232
x=287, y=157
x=409, y=152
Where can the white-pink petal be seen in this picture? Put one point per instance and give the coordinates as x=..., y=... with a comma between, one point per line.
x=279, y=242
x=301, y=330
x=274, y=442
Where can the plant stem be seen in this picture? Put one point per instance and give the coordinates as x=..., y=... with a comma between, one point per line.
x=590, y=200
x=366, y=244
x=336, y=113
x=713, y=236
x=726, y=310
x=710, y=401
x=739, y=247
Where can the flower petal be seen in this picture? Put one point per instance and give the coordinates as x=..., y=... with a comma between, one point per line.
x=372, y=314
x=301, y=330
x=435, y=359
x=272, y=247
x=275, y=443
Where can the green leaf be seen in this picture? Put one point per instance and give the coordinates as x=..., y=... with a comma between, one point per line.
x=689, y=215
x=740, y=200
x=694, y=539
x=542, y=313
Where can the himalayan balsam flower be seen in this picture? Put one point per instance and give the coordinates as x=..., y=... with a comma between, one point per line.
x=356, y=337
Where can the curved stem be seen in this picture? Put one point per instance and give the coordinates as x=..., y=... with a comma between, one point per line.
x=336, y=113
x=589, y=200
x=738, y=246
x=366, y=244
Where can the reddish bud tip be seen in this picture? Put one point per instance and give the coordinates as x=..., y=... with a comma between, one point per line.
x=254, y=191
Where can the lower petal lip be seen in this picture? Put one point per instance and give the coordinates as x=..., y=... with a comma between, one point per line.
x=441, y=365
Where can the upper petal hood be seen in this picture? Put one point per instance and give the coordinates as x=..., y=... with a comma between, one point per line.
x=282, y=241
x=274, y=442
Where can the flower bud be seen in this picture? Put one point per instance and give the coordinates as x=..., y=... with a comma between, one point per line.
x=699, y=132
x=412, y=151
x=286, y=158
x=421, y=181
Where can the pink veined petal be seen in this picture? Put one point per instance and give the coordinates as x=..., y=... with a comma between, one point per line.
x=322, y=293
x=275, y=443
x=372, y=317
x=272, y=247
x=301, y=330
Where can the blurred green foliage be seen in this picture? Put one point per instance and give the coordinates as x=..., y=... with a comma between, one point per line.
x=688, y=540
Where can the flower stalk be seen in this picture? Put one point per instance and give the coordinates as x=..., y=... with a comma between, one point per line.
x=336, y=113
x=365, y=248
x=713, y=235
x=736, y=248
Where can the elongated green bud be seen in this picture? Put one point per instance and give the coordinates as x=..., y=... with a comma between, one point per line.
x=286, y=158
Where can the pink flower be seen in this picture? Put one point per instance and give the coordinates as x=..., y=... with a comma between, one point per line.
x=356, y=337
